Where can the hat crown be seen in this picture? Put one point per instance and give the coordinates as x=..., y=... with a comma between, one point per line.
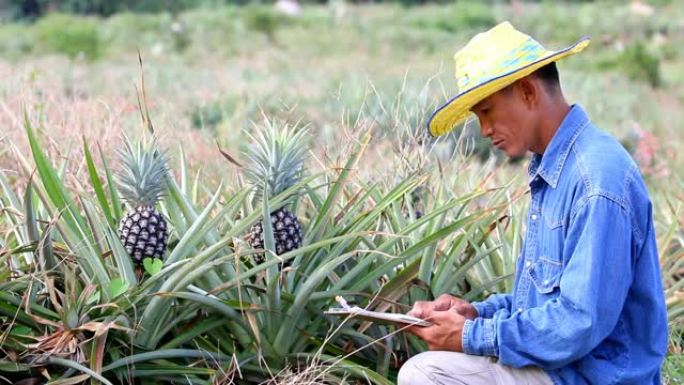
x=493, y=53
x=489, y=62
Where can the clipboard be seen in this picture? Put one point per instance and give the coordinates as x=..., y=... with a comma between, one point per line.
x=374, y=316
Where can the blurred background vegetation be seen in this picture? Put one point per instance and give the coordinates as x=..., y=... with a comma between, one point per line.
x=213, y=67
x=224, y=62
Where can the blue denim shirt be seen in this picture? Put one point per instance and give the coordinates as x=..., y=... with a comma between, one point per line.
x=588, y=304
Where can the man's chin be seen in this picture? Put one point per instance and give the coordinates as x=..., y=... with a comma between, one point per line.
x=514, y=154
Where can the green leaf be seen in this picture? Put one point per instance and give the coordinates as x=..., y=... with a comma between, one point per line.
x=153, y=266
x=269, y=241
x=168, y=353
x=122, y=258
x=94, y=298
x=16, y=314
x=195, y=233
x=286, y=333
x=342, y=365
x=75, y=230
x=30, y=214
x=7, y=298
x=9, y=366
x=194, y=332
x=113, y=194
x=19, y=330
x=118, y=286
x=325, y=213
x=97, y=184
x=75, y=365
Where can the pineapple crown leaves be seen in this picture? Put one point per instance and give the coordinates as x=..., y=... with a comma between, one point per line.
x=276, y=158
x=141, y=178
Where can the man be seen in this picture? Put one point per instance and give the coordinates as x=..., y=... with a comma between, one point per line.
x=587, y=305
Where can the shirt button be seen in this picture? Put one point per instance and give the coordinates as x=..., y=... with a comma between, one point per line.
x=534, y=217
x=546, y=282
x=528, y=264
x=520, y=310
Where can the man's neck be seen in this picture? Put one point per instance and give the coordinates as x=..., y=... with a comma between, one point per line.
x=557, y=111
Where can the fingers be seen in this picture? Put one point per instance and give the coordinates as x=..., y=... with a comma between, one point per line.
x=416, y=331
x=420, y=309
x=449, y=302
x=461, y=307
x=422, y=332
x=444, y=302
x=445, y=332
x=467, y=310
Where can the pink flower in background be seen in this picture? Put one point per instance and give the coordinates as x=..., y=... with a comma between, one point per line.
x=646, y=152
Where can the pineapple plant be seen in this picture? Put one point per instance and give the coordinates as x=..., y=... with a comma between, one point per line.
x=141, y=181
x=418, y=197
x=275, y=164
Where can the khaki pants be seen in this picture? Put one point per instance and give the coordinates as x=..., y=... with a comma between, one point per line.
x=450, y=368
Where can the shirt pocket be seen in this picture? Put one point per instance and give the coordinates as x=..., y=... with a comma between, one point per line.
x=553, y=219
x=545, y=274
x=552, y=235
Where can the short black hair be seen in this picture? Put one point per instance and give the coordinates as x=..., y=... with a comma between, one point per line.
x=549, y=75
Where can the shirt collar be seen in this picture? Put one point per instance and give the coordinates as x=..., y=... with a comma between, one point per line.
x=550, y=164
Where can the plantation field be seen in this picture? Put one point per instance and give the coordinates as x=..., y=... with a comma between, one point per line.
x=388, y=215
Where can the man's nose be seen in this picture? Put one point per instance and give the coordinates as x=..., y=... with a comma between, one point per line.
x=486, y=130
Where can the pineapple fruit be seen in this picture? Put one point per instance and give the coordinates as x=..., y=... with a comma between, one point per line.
x=141, y=181
x=276, y=163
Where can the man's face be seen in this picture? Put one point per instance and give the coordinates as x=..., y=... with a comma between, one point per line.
x=508, y=121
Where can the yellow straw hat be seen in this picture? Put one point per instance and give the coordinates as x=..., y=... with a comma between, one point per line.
x=489, y=62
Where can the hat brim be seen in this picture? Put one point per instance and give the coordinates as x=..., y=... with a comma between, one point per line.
x=457, y=109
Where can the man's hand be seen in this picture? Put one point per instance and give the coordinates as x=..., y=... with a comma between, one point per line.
x=445, y=302
x=448, y=315
x=446, y=332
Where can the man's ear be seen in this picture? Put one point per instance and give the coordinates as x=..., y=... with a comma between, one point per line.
x=529, y=92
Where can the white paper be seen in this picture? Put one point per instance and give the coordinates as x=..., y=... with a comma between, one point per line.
x=374, y=316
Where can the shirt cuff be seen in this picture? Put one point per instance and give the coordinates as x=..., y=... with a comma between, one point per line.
x=484, y=309
x=479, y=337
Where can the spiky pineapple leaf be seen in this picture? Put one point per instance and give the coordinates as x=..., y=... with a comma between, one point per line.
x=325, y=213
x=123, y=260
x=30, y=214
x=77, y=366
x=76, y=231
x=141, y=178
x=272, y=272
x=111, y=185
x=166, y=354
x=97, y=184
x=276, y=158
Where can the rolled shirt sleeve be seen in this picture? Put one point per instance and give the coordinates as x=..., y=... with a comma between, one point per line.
x=599, y=240
x=479, y=337
x=492, y=304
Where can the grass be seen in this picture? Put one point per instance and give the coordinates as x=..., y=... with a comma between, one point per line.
x=376, y=69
